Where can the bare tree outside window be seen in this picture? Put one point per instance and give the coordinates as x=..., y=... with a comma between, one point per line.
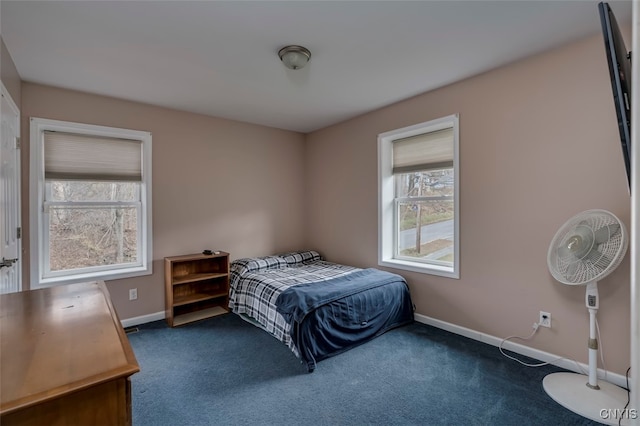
x=92, y=224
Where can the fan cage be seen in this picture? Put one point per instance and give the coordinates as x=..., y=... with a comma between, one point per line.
x=574, y=271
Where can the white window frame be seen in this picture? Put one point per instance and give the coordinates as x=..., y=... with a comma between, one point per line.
x=38, y=217
x=387, y=230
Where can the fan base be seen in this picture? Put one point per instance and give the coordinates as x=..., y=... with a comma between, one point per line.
x=604, y=405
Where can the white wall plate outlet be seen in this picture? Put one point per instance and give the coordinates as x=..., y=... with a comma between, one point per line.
x=545, y=319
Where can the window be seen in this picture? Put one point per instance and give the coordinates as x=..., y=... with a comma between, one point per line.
x=418, y=198
x=90, y=192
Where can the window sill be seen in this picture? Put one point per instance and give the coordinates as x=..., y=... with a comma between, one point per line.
x=420, y=268
x=94, y=276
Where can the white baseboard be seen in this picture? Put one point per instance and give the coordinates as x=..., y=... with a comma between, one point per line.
x=143, y=319
x=617, y=379
x=556, y=360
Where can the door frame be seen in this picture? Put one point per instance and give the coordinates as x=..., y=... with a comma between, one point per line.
x=18, y=265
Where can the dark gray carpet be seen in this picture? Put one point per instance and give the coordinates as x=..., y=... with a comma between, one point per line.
x=224, y=371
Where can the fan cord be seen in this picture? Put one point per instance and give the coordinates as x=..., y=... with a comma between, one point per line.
x=601, y=350
x=542, y=364
x=535, y=329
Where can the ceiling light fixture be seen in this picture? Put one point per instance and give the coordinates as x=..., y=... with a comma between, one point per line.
x=294, y=57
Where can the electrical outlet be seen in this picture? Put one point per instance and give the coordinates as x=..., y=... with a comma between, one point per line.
x=133, y=294
x=545, y=319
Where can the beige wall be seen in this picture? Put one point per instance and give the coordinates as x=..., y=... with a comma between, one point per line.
x=538, y=144
x=9, y=74
x=217, y=184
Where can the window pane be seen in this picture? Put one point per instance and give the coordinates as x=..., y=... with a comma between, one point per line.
x=432, y=183
x=94, y=191
x=86, y=237
x=434, y=242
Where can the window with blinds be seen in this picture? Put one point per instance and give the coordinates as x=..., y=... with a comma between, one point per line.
x=94, y=187
x=418, y=197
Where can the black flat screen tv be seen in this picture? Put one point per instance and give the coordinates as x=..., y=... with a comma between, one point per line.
x=619, y=61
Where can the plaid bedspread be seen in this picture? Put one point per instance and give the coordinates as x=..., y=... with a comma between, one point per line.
x=256, y=283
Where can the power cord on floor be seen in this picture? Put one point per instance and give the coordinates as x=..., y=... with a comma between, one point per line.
x=535, y=329
x=542, y=364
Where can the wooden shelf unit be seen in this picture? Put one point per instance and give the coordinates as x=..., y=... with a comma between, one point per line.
x=196, y=287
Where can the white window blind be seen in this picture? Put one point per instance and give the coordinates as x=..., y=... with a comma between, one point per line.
x=74, y=156
x=426, y=151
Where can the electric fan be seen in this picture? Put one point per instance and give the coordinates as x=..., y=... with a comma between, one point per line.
x=587, y=248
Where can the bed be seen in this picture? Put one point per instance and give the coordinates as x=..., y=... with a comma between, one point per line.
x=317, y=308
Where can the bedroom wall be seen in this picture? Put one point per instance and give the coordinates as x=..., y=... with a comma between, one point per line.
x=538, y=144
x=217, y=184
x=9, y=74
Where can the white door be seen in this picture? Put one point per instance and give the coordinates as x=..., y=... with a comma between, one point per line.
x=10, y=229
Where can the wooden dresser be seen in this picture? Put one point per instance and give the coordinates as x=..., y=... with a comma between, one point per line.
x=65, y=359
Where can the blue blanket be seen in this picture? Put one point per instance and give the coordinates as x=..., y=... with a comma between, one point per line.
x=296, y=302
x=331, y=316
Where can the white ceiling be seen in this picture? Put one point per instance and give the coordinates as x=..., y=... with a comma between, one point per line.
x=220, y=57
